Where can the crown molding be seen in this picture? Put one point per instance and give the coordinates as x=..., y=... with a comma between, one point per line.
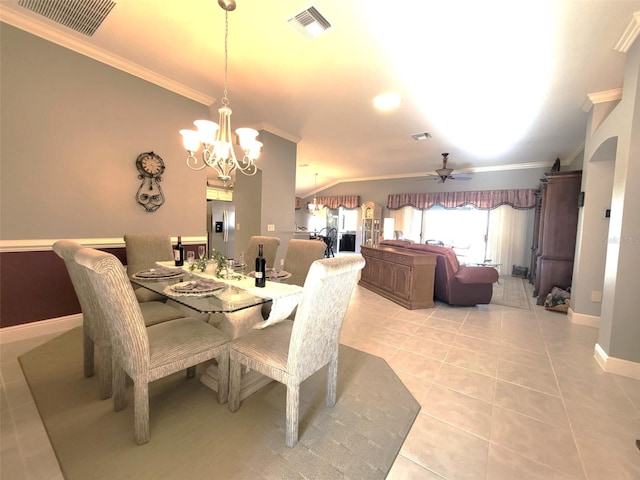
x=570, y=159
x=279, y=132
x=499, y=168
x=630, y=34
x=605, y=96
x=493, y=168
x=47, y=32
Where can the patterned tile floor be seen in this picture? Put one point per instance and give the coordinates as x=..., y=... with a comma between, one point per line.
x=506, y=393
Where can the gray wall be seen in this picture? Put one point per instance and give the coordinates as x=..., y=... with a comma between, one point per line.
x=71, y=131
x=268, y=197
x=614, y=142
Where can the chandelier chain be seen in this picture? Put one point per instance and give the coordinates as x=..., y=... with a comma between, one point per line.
x=217, y=139
x=225, y=100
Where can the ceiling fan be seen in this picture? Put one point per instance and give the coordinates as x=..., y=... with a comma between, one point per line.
x=443, y=174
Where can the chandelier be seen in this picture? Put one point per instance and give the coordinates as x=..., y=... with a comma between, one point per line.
x=216, y=138
x=315, y=206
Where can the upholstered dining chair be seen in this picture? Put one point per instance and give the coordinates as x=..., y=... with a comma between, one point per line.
x=291, y=351
x=269, y=250
x=298, y=258
x=144, y=353
x=143, y=251
x=94, y=327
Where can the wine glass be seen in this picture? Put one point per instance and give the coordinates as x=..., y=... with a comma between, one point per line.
x=241, y=263
x=230, y=271
x=191, y=258
x=278, y=270
x=201, y=251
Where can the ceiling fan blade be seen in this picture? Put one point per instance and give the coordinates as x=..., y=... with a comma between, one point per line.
x=459, y=177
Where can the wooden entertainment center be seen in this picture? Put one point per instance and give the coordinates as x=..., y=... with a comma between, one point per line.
x=406, y=278
x=555, y=230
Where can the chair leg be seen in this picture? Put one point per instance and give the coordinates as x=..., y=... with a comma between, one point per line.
x=119, y=384
x=141, y=411
x=223, y=377
x=235, y=371
x=88, y=349
x=332, y=382
x=105, y=370
x=293, y=405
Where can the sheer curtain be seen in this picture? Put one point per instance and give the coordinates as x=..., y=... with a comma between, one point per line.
x=408, y=220
x=506, y=230
x=506, y=239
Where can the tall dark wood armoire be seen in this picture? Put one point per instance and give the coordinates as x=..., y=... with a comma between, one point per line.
x=555, y=232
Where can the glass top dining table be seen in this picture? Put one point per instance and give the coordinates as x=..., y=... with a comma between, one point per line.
x=228, y=299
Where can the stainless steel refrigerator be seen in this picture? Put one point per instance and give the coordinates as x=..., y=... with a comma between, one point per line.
x=221, y=221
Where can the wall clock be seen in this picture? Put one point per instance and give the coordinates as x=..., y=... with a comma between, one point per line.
x=150, y=167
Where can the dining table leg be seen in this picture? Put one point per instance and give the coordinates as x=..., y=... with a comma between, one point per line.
x=236, y=324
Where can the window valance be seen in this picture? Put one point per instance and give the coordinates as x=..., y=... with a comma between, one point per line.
x=522, y=199
x=346, y=201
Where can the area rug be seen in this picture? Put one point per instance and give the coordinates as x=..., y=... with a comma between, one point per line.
x=194, y=437
x=511, y=292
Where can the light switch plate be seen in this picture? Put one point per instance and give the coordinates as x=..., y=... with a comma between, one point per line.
x=271, y=227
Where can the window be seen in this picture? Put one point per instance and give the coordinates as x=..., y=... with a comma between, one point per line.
x=463, y=228
x=499, y=235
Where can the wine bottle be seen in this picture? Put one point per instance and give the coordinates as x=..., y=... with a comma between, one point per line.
x=178, y=253
x=261, y=268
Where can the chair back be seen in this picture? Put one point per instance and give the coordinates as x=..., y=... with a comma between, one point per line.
x=93, y=320
x=269, y=250
x=332, y=237
x=299, y=257
x=121, y=309
x=321, y=311
x=145, y=249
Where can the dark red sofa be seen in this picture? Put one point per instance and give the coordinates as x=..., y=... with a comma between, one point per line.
x=455, y=284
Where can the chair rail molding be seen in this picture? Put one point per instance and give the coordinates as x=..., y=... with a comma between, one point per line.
x=35, y=245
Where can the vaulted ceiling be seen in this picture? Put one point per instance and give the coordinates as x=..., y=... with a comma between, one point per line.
x=497, y=84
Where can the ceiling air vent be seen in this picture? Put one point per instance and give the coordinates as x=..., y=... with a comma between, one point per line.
x=83, y=16
x=421, y=136
x=310, y=23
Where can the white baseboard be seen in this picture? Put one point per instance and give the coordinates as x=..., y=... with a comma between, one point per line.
x=583, y=319
x=37, y=329
x=616, y=366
